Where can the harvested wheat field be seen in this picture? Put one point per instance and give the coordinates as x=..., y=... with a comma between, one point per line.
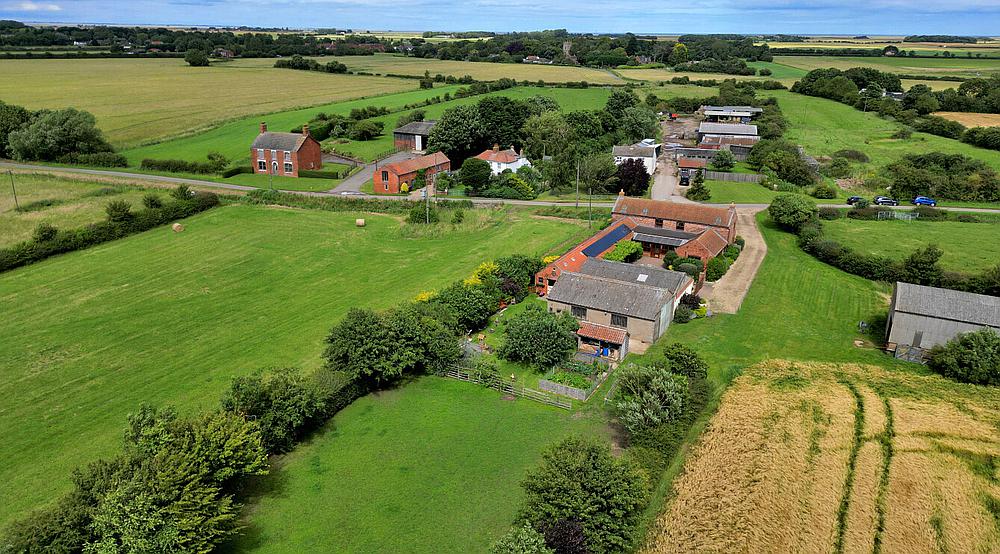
x=805, y=457
x=970, y=119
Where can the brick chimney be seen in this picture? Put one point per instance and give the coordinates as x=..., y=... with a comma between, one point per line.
x=496, y=147
x=263, y=127
x=305, y=130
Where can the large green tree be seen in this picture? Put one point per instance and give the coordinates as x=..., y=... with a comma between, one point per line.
x=539, y=337
x=969, y=358
x=283, y=403
x=459, y=133
x=12, y=118
x=546, y=134
x=57, y=133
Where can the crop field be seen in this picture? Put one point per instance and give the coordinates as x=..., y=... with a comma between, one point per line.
x=394, y=64
x=784, y=73
x=139, y=101
x=968, y=247
x=164, y=317
x=958, y=66
x=972, y=119
x=985, y=48
x=814, y=457
x=65, y=202
x=433, y=466
x=823, y=126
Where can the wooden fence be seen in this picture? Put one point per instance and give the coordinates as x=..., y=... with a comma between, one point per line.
x=509, y=388
x=736, y=177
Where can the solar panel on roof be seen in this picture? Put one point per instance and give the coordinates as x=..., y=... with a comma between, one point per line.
x=606, y=241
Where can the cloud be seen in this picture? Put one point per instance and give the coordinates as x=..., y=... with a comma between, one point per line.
x=29, y=6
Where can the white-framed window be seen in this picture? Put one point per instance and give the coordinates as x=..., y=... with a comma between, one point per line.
x=288, y=156
x=260, y=153
x=261, y=165
x=288, y=167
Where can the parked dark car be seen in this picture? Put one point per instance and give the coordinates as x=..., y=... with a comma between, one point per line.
x=852, y=200
x=685, y=180
x=885, y=201
x=924, y=201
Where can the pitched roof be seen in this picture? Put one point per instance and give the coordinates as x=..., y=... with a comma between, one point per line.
x=279, y=141
x=674, y=211
x=727, y=129
x=602, y=332
x=967, y=307
x=658, y=235
x=416, y=128
x=730, y=109
x=650, y=276
x=691, y=163
x=507, y=156
x=634, y=151
x=712, y=241
x=575, y=258
x=416, y=164
x=610, y=295
x=733, y=140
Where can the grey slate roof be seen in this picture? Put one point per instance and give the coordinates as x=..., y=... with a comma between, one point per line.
x=279, y=141
x=416, y=128
x=659, y=235
x=967, y=307
x=610, y=295
x=750, y=109
x=633, y=151
x=727, y=129
x=671, y=281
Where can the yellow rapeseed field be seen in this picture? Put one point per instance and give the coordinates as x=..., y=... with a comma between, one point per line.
x=806, y=457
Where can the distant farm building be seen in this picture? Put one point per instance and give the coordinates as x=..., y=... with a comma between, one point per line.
x=922, y=317
x=645, y=152
x=412, y=136
x=688, y=167
x=285, y=154
x=726, y=129
x=501, y=160
x=730, y=114
x=390, y=178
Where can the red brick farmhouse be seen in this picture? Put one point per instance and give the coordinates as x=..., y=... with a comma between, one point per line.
x=285, y=154
x=389, y=178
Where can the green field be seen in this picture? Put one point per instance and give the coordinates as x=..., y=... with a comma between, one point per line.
x=968, y=247
x=433, y=466
x=72, y=202
x=823, y=126
x=164, y=317
x=395, y=64
x=724, y=192
x=137, y=101
x=957, y=66
x=785, y=74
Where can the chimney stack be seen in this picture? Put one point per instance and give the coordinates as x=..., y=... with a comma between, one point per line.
x=305, y=130
x=263, y=127
x=496, y=147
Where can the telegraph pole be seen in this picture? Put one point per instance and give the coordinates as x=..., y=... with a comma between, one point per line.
x=14, y=190
x=590, y=205
x=578, y=183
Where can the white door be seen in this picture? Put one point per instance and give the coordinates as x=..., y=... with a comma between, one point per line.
x=419, y=142
x=274, y=168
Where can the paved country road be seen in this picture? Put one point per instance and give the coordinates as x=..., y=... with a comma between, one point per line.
x=485, y=201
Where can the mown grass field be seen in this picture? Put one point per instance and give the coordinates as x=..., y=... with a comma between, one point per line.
x=724, y=192
x=810, y=457
x=434, y=466
x=968, y=247
x=141, y=100
x=958, y=66
x=823, y=126
x=65, y=202
x=785, y=74
x=395, y=64
x=170, y=318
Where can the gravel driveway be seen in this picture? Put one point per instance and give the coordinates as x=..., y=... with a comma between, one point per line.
x=726, y=295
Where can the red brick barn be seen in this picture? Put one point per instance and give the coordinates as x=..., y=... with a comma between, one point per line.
x=691, y=218
x=285, y=154
x=412, y=136
x=390, y=177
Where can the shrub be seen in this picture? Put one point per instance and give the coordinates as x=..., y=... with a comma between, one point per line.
x=119, y=211
x=457, y=217
x=683, y=360
x=691, y=301
x=648, y=396
x=579, y=480
x=670, y=258
x=830, y=213
x=902, y=134
x=420, y=213
x=521, y=539
x=570, y=379
x=152, y=201
x=824, y=192
x=970, y=358
x=724, y=161
x=196, y=58
x=540, y=338
x=792, y=211
x=182, y=192
x=475, y=175
x=44, y=232
x=867, y=213
x=699, y=192
x=319, y=174
x=54, y=134
x=683, y=314
x=565, y=536
x=625, y=251
x=688, y=268
x=182, y=166
x=716, y=268
x=472, y=305
x=853, y=155
x=239, y=170
x=838, y=167
x=96, y=159
x=940, y=126
x=930, y=213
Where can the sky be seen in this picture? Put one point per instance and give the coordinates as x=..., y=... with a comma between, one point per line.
x=884, y=17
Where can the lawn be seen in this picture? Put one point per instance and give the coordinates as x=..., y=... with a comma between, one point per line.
x=433, y=466
x=968, y=247
x=724, y=192
x=233, y=139
x=394, y=64
x=137, y=101
x=957, y=66
x=823, y=126
x=65, y=202
x=166, y=317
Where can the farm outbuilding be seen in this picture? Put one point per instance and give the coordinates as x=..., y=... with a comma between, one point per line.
x=412, y=136
x=922, y=317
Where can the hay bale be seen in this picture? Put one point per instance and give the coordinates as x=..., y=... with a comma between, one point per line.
x=177, y=227
x=359, y=222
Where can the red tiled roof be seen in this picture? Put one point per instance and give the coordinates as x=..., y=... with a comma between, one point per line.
x=602, y=333
x=673, y=211
x=691, y=163
x=574, y=259
x=712, y=241
x=409, y=166
x=507, y=156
